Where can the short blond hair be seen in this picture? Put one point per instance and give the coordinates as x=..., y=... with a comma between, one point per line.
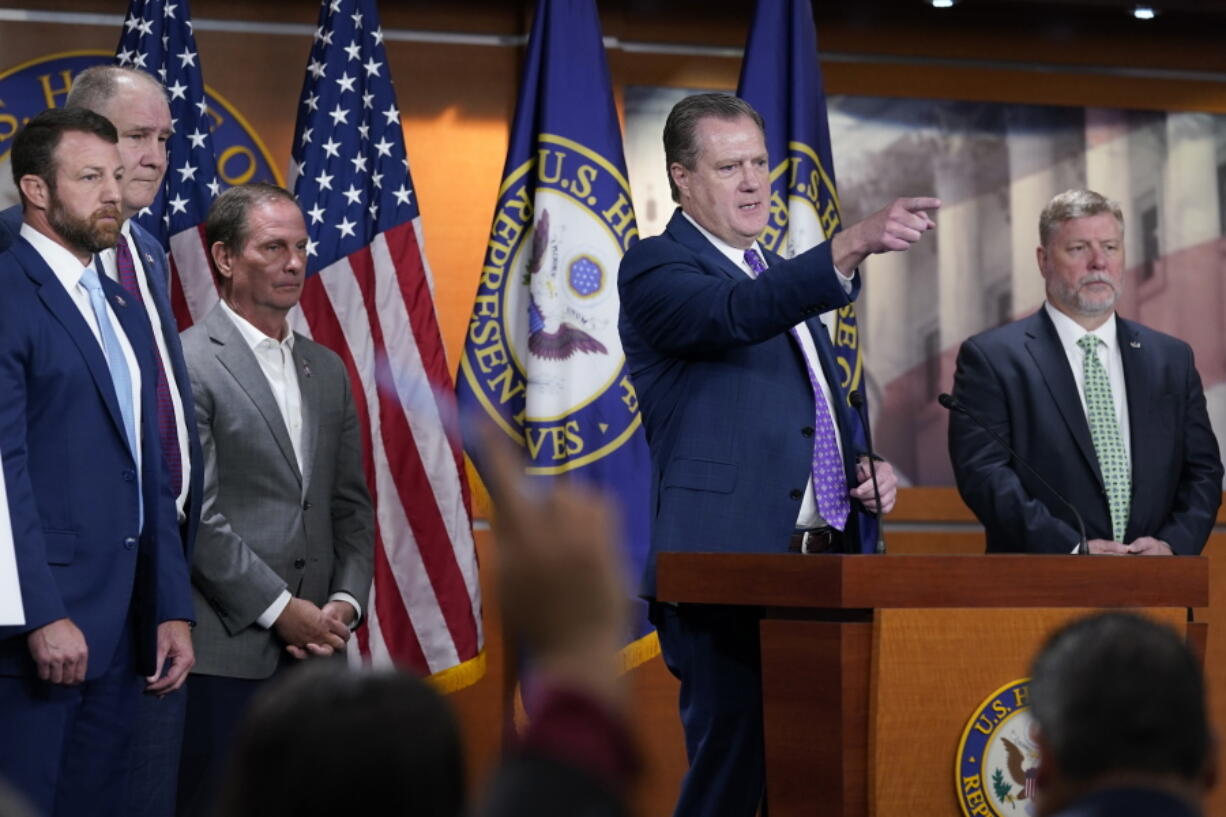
x=1073, y=204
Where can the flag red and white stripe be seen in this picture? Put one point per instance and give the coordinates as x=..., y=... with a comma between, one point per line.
x=369, y=297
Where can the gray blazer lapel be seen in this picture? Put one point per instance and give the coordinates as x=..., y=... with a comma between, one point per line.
x=1044, y=347
x=309, y=386
x=238, y=359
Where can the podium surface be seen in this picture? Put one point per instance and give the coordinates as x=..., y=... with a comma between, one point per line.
x=871, y=663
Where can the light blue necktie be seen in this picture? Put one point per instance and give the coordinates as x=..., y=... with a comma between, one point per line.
x=113, y=351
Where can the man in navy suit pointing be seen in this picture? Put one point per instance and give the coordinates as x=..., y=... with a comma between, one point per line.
x=748, y=427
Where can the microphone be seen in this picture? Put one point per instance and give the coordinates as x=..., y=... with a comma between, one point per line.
x=857, y=401
x=952, y=403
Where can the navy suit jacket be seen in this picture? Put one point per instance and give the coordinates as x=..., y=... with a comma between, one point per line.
x=724, y=392
x=81, y=551
x=1017, y=379
x=157, y=276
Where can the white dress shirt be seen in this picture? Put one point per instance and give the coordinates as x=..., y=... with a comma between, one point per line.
x=111, y=268
x=1108, y=354
x=68, y=269
x=808, y=517
x=276, y=359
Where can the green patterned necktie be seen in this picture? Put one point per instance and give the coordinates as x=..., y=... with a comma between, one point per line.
x=1105, y=431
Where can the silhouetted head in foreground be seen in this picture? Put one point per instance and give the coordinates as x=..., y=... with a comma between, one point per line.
x=1120, y=703
x=326, y=740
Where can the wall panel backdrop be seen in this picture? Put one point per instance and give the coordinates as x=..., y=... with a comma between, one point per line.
x=457, y=98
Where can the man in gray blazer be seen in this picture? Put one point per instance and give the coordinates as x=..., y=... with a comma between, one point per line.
x=283, y=560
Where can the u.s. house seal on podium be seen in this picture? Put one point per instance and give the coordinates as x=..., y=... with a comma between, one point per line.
x=997, y=756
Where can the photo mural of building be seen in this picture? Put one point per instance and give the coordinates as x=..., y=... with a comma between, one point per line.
x=994, y=167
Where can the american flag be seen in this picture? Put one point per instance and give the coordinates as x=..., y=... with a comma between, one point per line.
x=369, y=297
x=157, y=37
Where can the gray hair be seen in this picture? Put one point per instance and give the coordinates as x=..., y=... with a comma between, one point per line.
x=94, y=87
x=680, y=144
x=1073, y=204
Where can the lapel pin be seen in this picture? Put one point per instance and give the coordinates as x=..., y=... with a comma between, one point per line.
x=148, y=259
x=120, y=301
x=306, y=368
x=1135, y=344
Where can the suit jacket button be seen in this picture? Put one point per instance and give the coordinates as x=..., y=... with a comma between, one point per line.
x=306, y=506
x=807, y=431
x=797, y=494
x=129, y=475
x=129, y=543
x=300, y=563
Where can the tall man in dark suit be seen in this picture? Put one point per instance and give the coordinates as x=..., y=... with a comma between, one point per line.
x=135, y=103
x=284, y=560
x=101, y=565
x=1110, y=412
x=1123, y=729
x=748, y=429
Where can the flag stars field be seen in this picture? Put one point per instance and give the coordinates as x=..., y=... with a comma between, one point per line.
x=158, y=38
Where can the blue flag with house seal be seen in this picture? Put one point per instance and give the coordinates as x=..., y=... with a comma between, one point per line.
x=543, y=359
x=782, y=79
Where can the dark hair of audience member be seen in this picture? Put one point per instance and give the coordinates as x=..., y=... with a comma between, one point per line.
x=1118, y=693
x=326, y=740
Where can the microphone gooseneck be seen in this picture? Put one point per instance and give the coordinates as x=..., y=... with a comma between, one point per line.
x=857, y=401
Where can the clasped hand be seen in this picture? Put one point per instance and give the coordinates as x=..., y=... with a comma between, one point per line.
x=309, y=630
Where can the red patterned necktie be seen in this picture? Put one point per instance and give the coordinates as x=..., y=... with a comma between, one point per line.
x=167, y=431
x=829, y=478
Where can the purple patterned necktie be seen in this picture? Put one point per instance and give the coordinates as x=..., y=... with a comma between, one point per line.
x=167, y=432
x=829, y=478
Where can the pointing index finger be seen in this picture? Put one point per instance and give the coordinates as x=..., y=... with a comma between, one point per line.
x=921, y=203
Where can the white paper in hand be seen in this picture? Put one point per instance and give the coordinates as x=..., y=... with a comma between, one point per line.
x=10, y=590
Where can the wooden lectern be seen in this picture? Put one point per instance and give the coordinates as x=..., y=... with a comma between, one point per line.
x=872, y=665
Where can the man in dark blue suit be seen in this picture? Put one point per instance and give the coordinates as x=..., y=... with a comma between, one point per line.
x=136, y=105
x=1123, y=730
x=99, y=556
x=749, y=431
x=1111, y=413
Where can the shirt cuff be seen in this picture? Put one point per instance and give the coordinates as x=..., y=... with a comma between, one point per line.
x=847, y=281
x=269, y=617
x=341, y=595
